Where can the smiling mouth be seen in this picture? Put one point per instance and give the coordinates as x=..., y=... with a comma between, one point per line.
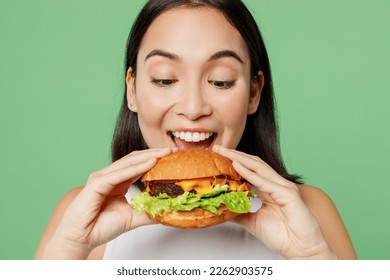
x=186, y=140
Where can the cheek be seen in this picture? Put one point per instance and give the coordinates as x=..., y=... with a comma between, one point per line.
x=149, y=111
x=235, y=121
x=149, y=104
x=235, y=108
x=150, y=119
x=234, y=114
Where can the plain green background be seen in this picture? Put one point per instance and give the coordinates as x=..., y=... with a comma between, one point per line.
x=62, y=78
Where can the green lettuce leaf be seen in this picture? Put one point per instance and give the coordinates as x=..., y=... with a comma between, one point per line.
x=235, y=201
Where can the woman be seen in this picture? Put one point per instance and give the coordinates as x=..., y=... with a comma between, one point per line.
x=197, y=77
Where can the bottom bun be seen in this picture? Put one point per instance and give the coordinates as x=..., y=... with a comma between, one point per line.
x=196, y=218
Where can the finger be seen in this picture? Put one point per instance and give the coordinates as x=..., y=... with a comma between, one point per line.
x=135, y=158
x=280, y=194
x=234, y=154
x=139, y=219
x=125, y=213
x=253, y=163
x=248, y=221
x=102, y=185
x=275, y=195
x=117, y=218
x=92, y=197
x=266, y=198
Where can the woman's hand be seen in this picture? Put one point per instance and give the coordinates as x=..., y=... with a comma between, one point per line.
x=284, y=223
x=101, y=212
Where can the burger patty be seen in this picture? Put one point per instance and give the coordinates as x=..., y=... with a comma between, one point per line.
x=170, y=188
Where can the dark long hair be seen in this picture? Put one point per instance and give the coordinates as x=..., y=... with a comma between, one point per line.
x=260, y=136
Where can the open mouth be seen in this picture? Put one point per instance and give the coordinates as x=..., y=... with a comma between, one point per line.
x=186, y=140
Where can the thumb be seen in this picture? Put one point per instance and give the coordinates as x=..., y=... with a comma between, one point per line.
x=137, y=220
x=248, y=221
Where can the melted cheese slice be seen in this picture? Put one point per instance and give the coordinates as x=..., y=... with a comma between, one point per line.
x=205, y=185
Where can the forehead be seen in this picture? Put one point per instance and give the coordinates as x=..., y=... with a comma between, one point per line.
x=192, y=31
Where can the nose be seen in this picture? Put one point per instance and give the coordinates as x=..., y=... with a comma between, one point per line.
x=193, y=104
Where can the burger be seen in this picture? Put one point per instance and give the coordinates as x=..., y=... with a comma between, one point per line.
x=192, y=189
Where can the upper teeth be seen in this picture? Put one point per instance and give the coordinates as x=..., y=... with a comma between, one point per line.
x=192, y=136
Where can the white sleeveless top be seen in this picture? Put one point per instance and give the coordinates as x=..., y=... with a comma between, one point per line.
x=158, y=242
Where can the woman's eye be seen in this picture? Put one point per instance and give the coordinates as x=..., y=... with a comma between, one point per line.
x=164, y=82
x=222, y=84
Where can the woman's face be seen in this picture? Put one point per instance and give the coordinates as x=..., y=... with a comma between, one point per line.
x=193, y=86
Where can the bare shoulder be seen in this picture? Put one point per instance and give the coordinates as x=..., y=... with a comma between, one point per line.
x=328, y=217
x=54, y=221
x=315, y=197
x=68, y=197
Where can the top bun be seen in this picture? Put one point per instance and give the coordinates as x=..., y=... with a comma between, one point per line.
x=191, y=164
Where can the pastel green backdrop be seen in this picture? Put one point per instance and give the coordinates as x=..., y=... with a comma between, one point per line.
x=61, y=83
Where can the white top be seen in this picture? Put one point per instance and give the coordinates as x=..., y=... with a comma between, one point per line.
x=158, y=242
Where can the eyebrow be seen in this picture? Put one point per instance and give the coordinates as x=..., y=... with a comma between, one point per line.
x=175, y=57
x=226, y=53
x=162, y=53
